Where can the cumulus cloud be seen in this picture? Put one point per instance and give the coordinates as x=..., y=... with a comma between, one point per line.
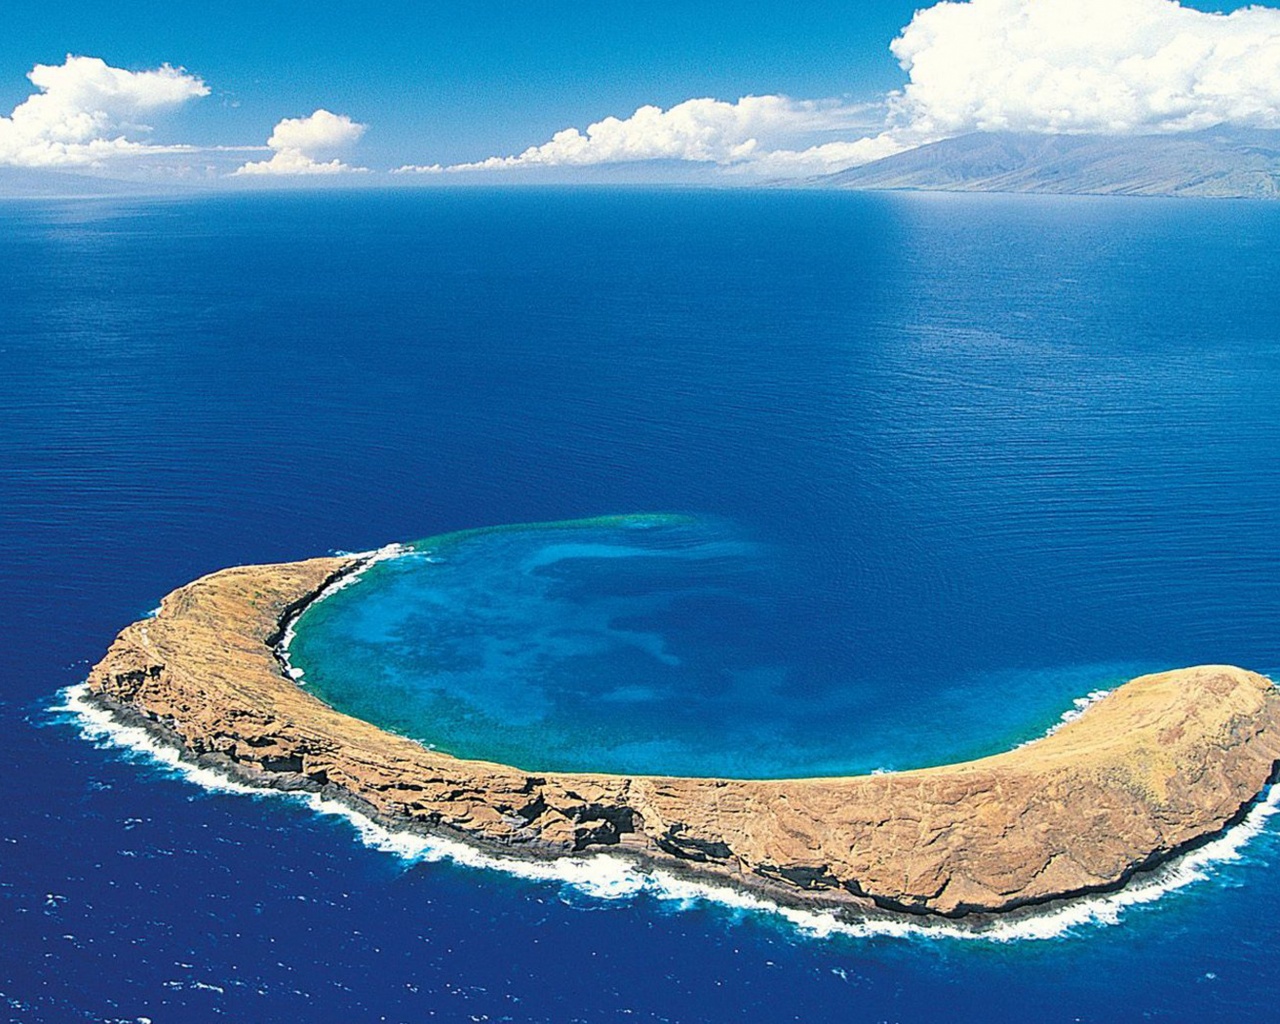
x=1109, y=66
x=85, y=111
x=707, y=131
x=301, y=145
x=828, y=157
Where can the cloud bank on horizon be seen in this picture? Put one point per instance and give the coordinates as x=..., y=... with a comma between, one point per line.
x=1048, y=66
x=702, y=131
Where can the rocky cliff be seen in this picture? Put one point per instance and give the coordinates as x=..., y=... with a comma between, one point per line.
x=1162, y=763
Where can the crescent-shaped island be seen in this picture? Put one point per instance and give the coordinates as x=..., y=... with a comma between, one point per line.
x=1159, y=766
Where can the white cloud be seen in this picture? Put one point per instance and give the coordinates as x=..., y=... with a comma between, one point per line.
x=1110, y=66
x=828, y=157
x=301, y=145
x=86, y=109
x=704, y=131
x=321, y=133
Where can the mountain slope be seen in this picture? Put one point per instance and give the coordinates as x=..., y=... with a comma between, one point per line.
x=1223, y=162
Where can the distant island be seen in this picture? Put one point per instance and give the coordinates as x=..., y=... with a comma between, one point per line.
x=1158, y=766
x=1219, y=162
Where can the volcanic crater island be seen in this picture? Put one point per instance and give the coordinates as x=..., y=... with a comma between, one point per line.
x=1160, y=765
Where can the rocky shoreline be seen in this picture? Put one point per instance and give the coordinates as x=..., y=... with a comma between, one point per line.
x=1163, y=764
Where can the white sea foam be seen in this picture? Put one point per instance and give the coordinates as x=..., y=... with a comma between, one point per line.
x=102, y=729
x=1078, y=707
x=371, y=558
x=614, y=877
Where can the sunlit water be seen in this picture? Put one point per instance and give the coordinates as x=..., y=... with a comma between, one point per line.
x=938, y=465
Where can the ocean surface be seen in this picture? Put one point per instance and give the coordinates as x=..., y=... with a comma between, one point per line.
x=867, y=481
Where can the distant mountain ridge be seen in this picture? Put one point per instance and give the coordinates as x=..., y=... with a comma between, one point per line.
x=1218, y=162
x=47, y=183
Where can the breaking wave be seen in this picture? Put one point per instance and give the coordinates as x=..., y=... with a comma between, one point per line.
x=613, y=877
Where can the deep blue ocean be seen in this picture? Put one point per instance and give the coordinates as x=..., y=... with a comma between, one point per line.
x=911, y=473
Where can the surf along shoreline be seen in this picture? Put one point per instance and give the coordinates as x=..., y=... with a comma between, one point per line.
x=1162, y=766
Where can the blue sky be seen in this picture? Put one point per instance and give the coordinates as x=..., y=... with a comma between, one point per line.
x=462, y=80
x=448, y=83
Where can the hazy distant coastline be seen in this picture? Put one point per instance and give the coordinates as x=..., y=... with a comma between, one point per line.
x=1219, y=162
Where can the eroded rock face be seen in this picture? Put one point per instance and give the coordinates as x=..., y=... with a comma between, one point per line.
x=1163, y=761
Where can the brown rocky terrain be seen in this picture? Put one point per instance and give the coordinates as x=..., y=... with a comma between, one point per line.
x=1165, y=761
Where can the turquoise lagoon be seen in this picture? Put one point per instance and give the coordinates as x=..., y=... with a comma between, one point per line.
x=641, y=644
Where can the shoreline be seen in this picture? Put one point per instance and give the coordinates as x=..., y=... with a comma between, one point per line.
x=207, y=676
x=110, y=725
x=1040, y=921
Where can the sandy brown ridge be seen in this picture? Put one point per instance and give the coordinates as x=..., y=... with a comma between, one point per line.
x=1162, y=763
